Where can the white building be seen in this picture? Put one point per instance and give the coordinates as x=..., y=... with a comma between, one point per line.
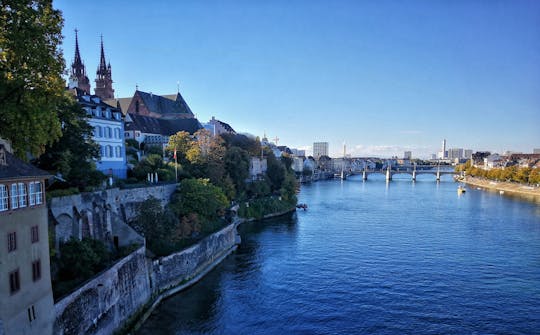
x=108, y=124
x=492, y=161
x=320, y=149
x=257, y=167
x=298, y=164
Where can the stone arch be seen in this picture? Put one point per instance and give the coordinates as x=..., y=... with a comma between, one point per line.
x=64, y=227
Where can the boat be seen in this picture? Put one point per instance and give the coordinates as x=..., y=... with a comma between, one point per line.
x=461, y=189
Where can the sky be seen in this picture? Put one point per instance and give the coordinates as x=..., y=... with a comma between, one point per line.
x=380, y=76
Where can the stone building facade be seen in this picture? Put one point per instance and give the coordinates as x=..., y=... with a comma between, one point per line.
x=26, y=300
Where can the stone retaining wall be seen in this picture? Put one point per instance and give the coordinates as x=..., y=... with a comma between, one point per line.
x=171, y=270
x=102, y=215
x=103, y=304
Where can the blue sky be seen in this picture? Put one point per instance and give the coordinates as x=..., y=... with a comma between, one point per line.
x=383, y=76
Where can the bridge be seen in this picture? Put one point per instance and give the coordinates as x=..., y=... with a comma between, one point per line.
x=390, y=172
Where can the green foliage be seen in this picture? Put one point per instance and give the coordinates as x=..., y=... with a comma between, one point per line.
x=237, y=167
x=156, y=224
x=62, y=192
x=132, y=143
x=151, y=164
x=31, y=67
x=82, y=259
x=199, y=196
x=261, y=207
x=275, y=172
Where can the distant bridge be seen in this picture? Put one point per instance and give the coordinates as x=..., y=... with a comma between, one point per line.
x=413, y=171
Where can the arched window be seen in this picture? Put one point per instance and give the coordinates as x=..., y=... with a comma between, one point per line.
x=109, y=151
x=109, y=132
x=98, y=111
x=3, y=198
x=118, y=151
x=108, y=113
x=103, y=152
x=116, y=133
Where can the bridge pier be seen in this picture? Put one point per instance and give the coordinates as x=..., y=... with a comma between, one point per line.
x=364, y=175
x=388, y=175
x=438, y=175
x=414, y=175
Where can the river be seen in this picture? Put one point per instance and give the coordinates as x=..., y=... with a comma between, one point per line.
x=374, y=258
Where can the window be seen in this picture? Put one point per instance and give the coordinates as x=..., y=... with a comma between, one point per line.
x=36, y=270
x=31, y=313
x=108, y=113
x=97, y=131
x=116, y=133
x=31, y=198
x=98, y=111
x=109, y=151
x=14, y=282
x=137, y=106
x=3, y=198
x=38, y=192
x=118, y=152
x=14, y=197
x=34, y=234
x=12, y=241
x=35, y=193
x=22, y=195
x=109, y=132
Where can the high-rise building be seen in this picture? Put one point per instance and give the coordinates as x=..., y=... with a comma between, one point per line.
x=320, y=149
x=407, y=155
x=104, y=81
x=443, y=153
x=454, y=153
x=77, y=77
x=467, y=153
x=536, y=151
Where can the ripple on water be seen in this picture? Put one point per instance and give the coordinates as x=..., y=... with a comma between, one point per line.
x=367, y=258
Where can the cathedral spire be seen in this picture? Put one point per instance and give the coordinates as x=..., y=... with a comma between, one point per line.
x=104, y=77
x=102, y=64
x=77, y=60
x=78, y=76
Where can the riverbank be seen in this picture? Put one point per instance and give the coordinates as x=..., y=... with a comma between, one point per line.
x=507, y=188
x=138, y=319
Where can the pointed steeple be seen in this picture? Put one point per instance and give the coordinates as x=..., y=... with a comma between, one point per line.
x=77, y=60
x=78, y=76
x=104, y=77
x=102, y=69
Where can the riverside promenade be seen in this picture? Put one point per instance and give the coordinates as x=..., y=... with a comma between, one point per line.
x=525, y=191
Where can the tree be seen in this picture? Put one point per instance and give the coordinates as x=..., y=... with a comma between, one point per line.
x=237, y=167
x=199, y=196
x=31, y=67
x=73, y=154
x=275, y=171
x=156, y=224
x=182, y=143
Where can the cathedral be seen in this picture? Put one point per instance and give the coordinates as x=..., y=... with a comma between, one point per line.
x=78, y=78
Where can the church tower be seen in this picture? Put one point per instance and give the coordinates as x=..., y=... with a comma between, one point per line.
x=104, y=78
x=78, y=76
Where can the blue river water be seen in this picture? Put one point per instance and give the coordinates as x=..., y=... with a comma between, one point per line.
x=374, y=258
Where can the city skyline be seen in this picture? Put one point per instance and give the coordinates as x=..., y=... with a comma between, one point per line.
x=383, y=77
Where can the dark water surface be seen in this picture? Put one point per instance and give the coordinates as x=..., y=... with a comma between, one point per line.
x=374, y=258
